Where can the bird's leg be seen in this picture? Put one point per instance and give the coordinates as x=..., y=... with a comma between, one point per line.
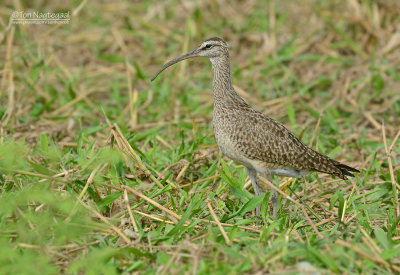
x=253, y=177
x=274, y=199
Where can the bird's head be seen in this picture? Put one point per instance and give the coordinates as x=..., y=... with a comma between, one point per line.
x=212, y=48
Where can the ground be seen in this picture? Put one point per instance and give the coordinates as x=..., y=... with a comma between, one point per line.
x=103, y=171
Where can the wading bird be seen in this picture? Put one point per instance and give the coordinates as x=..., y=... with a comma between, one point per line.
x=262, y=145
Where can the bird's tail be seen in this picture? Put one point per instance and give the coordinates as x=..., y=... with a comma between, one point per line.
x=333, y=167
x=345, y=170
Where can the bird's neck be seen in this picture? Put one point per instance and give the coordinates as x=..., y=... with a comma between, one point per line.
x=222, y=83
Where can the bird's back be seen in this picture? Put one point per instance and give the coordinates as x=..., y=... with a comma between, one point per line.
x=257, y=141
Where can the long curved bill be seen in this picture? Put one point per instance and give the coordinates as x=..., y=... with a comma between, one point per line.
x=174, y=61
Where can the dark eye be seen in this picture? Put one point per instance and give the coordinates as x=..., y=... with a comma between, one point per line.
x=208, y=46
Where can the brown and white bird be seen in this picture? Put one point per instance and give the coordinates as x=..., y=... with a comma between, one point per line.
x=262, y=145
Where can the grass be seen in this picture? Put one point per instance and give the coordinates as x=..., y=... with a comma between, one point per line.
x=102, y=171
